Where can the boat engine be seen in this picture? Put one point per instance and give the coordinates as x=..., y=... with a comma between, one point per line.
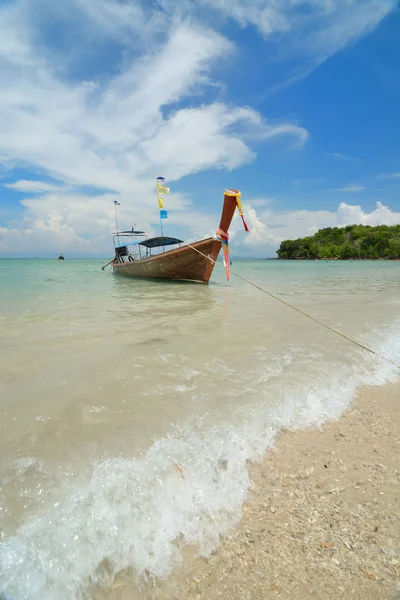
x=120, y=253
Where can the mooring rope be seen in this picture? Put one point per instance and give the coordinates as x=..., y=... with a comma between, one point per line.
x=302, y=312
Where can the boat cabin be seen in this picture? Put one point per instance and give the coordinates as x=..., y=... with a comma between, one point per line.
x=129, y=249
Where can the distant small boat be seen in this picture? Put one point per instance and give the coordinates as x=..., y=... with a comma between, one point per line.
x=61, y=257
x=152, y=258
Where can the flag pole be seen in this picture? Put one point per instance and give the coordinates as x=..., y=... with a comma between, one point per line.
x=162, y=232
x=159, y=209
x=116, y=220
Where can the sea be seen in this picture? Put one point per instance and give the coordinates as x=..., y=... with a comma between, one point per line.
x=131, y=409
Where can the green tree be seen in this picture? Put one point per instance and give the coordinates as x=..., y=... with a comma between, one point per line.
x=352, y=241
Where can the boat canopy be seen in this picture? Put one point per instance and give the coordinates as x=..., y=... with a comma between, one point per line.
x=127, y=244
x=160, y=241
x=121, y=238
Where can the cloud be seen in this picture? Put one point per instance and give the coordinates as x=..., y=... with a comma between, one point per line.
x=309, y=28
x=270, y=131
x=295, y=224
x=15, y=44
x=352, y=187
x=154, y=107
x=260, y=234
x=109, y=134
x=57, y=221
x=80, y=225
x=24, y=185
x=268, y=228
x=211, y=137
x=148, y=114
x=113, y=19
x=382, y=215
x=340, y=156
x=390, y=175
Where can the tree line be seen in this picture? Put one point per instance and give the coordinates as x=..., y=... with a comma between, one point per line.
x=352, y=241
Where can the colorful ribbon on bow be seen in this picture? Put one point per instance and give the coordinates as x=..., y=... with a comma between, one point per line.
x=237, y=194
x=240, y=209
x=223, y=238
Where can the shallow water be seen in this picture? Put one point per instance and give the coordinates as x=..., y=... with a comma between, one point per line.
x=129, y=408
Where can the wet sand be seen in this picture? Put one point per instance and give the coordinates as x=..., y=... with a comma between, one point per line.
x=322, y=519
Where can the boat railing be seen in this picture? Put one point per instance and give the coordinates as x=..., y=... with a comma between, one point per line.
x=128, y=249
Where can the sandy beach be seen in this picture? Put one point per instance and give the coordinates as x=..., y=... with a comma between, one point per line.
x=321, y=521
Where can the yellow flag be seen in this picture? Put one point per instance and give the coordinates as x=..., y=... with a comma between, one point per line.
x=162, y=189
x=160, y=203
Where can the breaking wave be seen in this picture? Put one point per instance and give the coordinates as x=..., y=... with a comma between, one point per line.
x=191, y=486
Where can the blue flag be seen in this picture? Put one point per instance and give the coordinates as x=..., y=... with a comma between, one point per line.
x=163, y=214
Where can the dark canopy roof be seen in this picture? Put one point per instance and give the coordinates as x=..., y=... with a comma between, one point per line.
x=160, y=241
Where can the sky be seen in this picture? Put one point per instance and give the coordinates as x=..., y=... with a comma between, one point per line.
x=294, y=102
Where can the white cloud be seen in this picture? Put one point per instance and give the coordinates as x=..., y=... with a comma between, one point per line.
x=317, y=28
x=15, y=45
x=112, y=134
x=116, y=133
x=55, y=222
x=345, y=21
x=29, y=185
x=340, y=156
x=211, y=137
x=390, y=175
x=298, y=223
x=81, y=225
x=309, y=31
x=112, y=18
x=301, y=223
x=382, y=215
x=149, y=114
x=352, y=188
x=259, y=234
x=286, y=129
x=268, y=228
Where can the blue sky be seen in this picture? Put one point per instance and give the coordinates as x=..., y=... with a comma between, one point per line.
x=295, y=102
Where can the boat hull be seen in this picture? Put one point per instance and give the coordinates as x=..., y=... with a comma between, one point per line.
x=187, y=263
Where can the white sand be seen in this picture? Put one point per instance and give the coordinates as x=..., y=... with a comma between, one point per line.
x=322, y=520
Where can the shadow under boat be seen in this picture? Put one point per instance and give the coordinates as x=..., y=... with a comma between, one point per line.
x=171, y=298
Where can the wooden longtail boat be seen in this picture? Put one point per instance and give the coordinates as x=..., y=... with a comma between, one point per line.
x=185, y=262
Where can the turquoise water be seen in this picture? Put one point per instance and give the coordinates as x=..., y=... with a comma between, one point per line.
x=109, y=383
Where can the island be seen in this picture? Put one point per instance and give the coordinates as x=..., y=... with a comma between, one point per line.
x=351, y=242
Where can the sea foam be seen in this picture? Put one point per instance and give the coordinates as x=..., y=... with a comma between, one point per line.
x=191, y=486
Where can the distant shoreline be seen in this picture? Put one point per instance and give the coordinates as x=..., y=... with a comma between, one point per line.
x=337, y=259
